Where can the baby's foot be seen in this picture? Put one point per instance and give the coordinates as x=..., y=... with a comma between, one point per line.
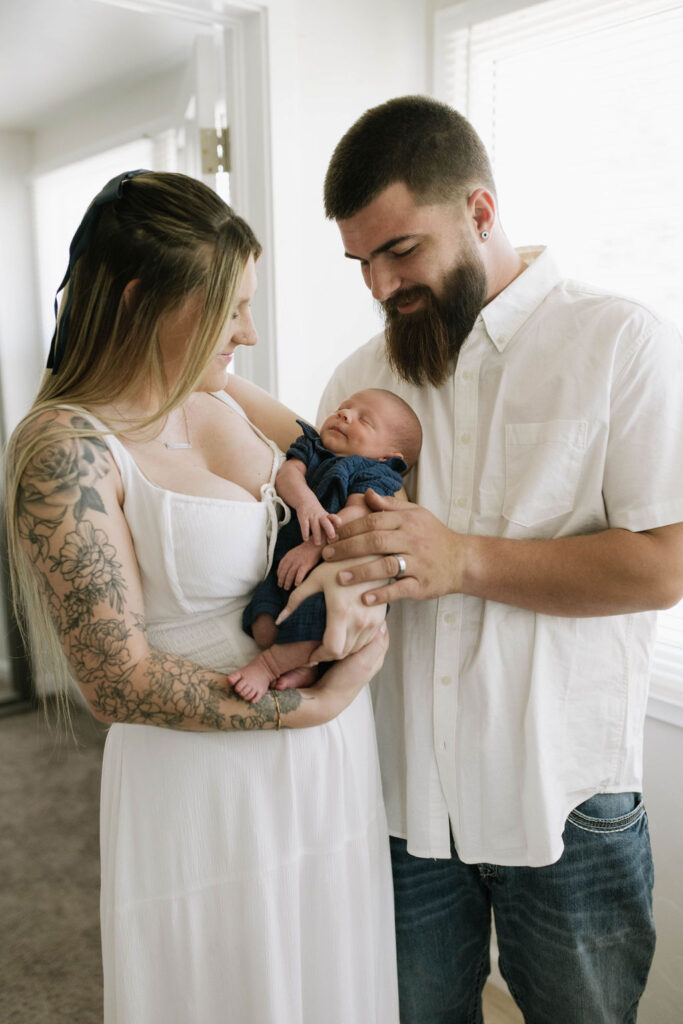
x=252, y=681
x=274, y=665
x=306, y=675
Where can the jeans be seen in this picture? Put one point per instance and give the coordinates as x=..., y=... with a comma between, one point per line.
x=575, y=938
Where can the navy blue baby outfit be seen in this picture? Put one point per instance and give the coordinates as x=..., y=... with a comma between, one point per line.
x=332, y=478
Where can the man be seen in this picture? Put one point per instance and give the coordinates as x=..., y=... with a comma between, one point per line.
x=546, y=533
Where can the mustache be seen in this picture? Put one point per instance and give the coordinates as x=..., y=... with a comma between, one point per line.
x=390, y=306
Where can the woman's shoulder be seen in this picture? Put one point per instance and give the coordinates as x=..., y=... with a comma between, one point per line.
x=56, y=420
x=58, y=444
x=43, y=428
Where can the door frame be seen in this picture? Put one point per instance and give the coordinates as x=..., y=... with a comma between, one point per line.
x=243, y=26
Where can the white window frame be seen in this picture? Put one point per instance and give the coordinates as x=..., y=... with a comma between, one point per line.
x=666, y=688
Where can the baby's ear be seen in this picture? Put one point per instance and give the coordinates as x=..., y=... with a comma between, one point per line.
x=392, y=455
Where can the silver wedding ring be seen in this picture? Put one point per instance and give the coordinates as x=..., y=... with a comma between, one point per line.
x=401, y=566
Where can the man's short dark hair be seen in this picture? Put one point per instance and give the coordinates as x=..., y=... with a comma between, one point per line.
x=419, y=141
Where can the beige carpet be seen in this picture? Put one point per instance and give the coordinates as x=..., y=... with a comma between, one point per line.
x=49, y=872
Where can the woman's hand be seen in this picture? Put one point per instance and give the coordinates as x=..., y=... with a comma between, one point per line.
x=350, y=623
x=344, y=680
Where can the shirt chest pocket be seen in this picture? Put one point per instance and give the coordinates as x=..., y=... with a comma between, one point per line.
x=543, y=464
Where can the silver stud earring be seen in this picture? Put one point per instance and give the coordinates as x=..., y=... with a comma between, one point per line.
x=484, y=235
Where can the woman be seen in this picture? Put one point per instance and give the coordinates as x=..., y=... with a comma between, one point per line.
x=244, y=874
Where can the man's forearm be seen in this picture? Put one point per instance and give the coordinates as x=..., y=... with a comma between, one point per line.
x=610, y=573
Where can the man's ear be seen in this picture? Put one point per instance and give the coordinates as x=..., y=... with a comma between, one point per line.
x=130, y=294
x=481, y=208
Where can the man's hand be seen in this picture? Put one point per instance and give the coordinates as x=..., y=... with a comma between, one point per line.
x=433, y=554
x=612, y=572
x=297, y=563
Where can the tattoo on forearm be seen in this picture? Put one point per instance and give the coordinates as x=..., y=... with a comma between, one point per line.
x=174, y=690
x=264, y=711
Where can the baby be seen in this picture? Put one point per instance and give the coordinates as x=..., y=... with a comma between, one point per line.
x=372, y=438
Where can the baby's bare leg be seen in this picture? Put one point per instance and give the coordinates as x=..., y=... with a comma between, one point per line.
x=264, y=630
x=252, y=681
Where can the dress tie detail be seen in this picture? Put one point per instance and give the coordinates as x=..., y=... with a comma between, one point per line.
x=273, y=502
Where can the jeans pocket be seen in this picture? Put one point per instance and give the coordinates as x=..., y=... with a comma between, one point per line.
x=608, y=812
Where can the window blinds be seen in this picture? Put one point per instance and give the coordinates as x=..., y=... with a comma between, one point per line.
x=579, y=105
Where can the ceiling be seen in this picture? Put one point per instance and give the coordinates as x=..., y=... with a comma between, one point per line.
x=51, y=51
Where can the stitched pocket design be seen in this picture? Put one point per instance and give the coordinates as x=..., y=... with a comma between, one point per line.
x=620, y=824
x=543, y=464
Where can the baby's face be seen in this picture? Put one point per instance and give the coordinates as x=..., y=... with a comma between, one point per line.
x=365, y=424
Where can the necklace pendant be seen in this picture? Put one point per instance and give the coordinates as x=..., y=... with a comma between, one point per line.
x=176, y=445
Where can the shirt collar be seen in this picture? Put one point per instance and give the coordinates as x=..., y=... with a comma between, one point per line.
x=503, y=316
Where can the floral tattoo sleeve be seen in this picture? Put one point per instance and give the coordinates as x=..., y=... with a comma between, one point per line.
x=62, y=522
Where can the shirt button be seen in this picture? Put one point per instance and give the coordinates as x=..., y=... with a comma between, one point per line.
x=462, y=502
x=465, y=438
x=446, y=680
x=467, y=375
x=449, y=618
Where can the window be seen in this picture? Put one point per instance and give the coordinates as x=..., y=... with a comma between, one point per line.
x=578, y=103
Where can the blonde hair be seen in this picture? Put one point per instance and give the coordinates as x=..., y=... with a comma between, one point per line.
x=174, y=237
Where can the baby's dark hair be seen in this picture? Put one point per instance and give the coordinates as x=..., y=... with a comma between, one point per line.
x=409, y=431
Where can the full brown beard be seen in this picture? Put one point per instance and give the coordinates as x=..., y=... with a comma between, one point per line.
x=424, y=345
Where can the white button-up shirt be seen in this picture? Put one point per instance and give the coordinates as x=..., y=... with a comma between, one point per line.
x=564, y=416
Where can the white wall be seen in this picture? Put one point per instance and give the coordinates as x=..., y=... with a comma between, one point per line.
x=330, y=61
x=663, y=997
x=107, y=119
x=20, y=351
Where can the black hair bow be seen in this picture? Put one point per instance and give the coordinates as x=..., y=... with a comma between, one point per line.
x=79, y=243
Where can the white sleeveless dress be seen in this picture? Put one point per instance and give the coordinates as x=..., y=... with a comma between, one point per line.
x=245, y=876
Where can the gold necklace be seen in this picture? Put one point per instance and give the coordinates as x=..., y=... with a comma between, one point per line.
x=174, y=445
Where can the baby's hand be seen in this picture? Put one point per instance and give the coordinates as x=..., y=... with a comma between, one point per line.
x=297, y=563
x=315, y=522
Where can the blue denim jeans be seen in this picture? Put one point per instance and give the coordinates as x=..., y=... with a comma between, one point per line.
x=575, y=938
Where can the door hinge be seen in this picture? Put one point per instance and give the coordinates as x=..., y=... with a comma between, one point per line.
x=215, y=150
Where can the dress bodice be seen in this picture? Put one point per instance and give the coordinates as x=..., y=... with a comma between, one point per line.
x=198, y=556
